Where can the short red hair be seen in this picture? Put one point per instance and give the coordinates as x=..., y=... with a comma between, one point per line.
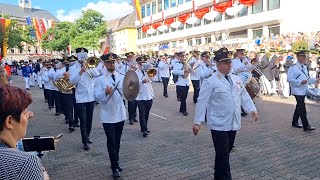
x=13, y=102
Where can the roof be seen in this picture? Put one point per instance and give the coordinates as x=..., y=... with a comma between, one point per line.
x=122, y=23
x=19, y=12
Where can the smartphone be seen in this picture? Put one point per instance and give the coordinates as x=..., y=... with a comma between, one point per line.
x=58, y=136
x=38, y=144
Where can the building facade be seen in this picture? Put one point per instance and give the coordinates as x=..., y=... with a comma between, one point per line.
x=21, y=13
x=264, y=18
x=121, y=35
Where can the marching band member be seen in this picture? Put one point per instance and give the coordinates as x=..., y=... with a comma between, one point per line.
x=222, y=96
x=299, y=79
x=266, y=78
x=194, y=75
x=313, y=64
x=80, y=75
x=126, y=65
x=112, y=109
x=26, y=73
x=48, y=85
x=240, y=63
x=283, y=78
x=55, y=91
x=181, y=70
x=145, y=96
x=173, y=63
x=67, y=97
x=164, y=73
x=206, y=68
x=32, y=76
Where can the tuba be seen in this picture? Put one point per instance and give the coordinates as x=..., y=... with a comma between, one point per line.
x=186, y=66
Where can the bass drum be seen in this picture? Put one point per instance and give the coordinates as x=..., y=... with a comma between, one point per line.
x=245, y=77
x=253, y=88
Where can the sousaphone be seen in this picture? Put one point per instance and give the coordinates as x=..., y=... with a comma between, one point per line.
x=130, y=85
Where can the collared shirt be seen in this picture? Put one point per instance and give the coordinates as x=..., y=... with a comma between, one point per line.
x=194, y=75
x=125, y=66
x=239, y=66
x=85, y=84
x=51, y=75
x=47, y=82
x=296, y=74
x=178, y=70
x=205, y=70
x=112, y=109
x=222, y=100
x=164, y=69
x=145, y=89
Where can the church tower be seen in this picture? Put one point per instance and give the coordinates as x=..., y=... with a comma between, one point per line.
x=25, y=3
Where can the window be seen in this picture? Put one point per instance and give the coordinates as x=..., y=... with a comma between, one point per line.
x=143, y=11
x=188, y=0
x=205, y=22
x=273, y=4
x=139, y=33
x=218, y=18
x=166, y=31
x=257, y=33
x=173, y=3
x=198, y=41
x=218, y=37
x=173, y=29
x=12, y=50
x=180, y=1
x=243, y=12
x=174, y=44
x=148, y=10
x=154, y=10
x=198, y=23
x=166, y=4
x=189, y=42
x=159, y=5
x=207, y=40
x=257, y=7
x=181, y=43
x=238, y=34
x=228, y=17
x=143, y=35
x=274, y=30
x=181, y=27
x=188, y=26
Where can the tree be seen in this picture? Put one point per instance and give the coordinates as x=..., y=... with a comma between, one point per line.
x=58, y=37
x=88, y=30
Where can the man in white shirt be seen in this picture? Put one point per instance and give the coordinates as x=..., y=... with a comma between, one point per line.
x=181, y=70
x=194, y=75
x=299, y=79
x=222, y=95
x=164, y=73
x=83, y=78
x=112, y=109
x=206, y=68
x=145, y=96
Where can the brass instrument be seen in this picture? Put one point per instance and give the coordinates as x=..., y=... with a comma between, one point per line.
x=91, y=62
x=64, y=84
x=152, y=72
x=186, y=66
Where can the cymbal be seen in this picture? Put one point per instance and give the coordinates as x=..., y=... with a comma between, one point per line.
x=130, y=85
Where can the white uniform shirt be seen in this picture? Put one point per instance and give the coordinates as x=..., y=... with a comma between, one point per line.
x=206, y=71
x=59, y=74
x=239, y=66
x=164, y=69
x=51, y=75
x=145, y=89
x=85, y=84
x=194, y=75
x=47, y=82
x=223, y=101
x=114, y=110
x=178, y=70
x=125, y=66
x=296, y=74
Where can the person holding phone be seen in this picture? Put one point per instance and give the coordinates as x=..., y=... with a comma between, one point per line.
x=14, y=116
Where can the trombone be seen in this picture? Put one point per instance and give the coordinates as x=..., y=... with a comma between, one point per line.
x=91, y=62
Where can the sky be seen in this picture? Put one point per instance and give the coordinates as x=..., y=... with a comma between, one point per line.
x=69, y=10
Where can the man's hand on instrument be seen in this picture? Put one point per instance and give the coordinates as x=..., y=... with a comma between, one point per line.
x=108, y=90
x=255, y=116
x=195, y=129
x=145, y=81
x=66, y=75
x=304, y=81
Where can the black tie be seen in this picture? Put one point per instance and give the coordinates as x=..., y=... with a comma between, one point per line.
x=142, y=73
x=113, y=77
x=227, y=77
x=303, y=70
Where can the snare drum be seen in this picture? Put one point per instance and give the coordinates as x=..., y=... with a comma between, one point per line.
x=313, y=94
x=245, y=77
x=253, y=88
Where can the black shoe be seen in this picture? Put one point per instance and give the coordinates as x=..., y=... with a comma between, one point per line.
x=77, y=125
x=119, y=169
x=86, y=147
x=166, y=95
x=135, y=120
x=178, y=99
x=148, y=131
x=296, y=126
x=57, y=114
x=145, y=134
x=115, y=173
x=195, y=102
x=185, y=113
x=309, y=128
x=89, y=141
x=71, y=129
x=46, y=101
x=131, y=122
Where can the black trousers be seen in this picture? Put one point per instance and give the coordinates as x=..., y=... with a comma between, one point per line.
x=68, y=106
x=85, y=113
x=132, y=110
x=144, y=110
x=223, y=143
x=50, y=96
x=113, y=132
x=196, y=87
x=165, y=82
x=300, y=112
x=57, y=101
x=75, y=108
x=177, y=92
x=45, y=92
x=183, y=94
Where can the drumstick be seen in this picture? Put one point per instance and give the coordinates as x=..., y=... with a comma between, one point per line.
x=311, y=75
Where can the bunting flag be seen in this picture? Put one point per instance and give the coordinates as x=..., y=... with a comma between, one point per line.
x=222, y=6
x=5, y=37
x=45, y=23
x=201, y=12
x=247, y=2
x=156, y=25
x=2, y=23
x=168, y=22
x=43, y=27
x=183, y=18
x=37, y=28
x=145, y=28
x=137, y=6
x=29, y=23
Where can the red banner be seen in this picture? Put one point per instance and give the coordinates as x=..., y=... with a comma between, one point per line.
x=247, y=2
x=201, y=12
x=183, y=18
x=43, y=27
x=145, y=28
x=156, y=25
x=221, y=7
x=168, y=22
x=2, y=22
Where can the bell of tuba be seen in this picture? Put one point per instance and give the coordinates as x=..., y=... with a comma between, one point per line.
x=64, y=84
x=152, y=72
